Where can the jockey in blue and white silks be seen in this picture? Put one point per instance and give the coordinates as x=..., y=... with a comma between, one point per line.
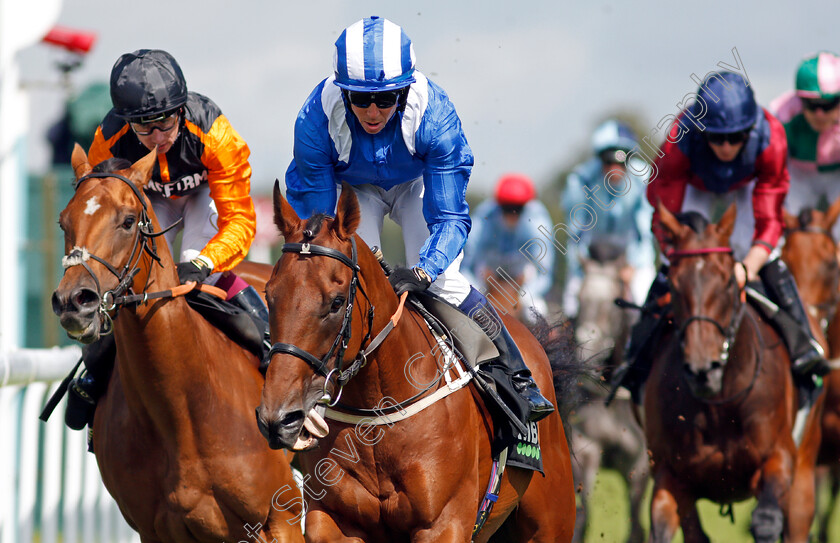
x=395, y=138
x=421, y=154
x=622, y=217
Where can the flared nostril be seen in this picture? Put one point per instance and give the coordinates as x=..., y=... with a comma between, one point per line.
x=57, y=304
x=85, y=299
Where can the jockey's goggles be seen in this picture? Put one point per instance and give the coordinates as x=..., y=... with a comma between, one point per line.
x=732, y=137
x=613, y=156
x=164, y=124
x=512, y=209
x=383, y=100
x=813, y=104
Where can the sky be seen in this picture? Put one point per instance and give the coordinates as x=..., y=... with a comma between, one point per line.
x=530, y=79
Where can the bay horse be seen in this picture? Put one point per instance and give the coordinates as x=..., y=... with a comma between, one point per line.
x=810, y=253
x=174, y=435
x=418, y=480
x=720, y=401
x=606, y=436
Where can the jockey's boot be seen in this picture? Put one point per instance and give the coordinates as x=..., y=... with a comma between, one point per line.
x=477, y=307
x=252, y=303
x=85, y=390
x=807, y=356
x=633, y=372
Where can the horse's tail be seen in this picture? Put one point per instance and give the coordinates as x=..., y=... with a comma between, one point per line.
x=568, y=371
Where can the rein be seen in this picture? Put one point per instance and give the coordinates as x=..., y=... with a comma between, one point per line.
x=112, y=299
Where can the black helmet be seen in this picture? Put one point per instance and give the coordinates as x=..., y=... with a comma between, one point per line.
x=147, y=85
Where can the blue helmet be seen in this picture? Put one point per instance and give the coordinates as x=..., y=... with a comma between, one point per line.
x=730, y=102
x=373, y=55
x=612, y=136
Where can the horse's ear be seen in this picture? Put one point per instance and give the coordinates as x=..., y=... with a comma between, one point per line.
x=285, y=218
x=791, y=221
x=674, y=230
x=832, y=213
x=141, y=171
x=347, y=213
x=726, y=224
x=79, y=161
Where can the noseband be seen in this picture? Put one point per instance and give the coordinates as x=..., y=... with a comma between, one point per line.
x=343, y=337
x=143, y=242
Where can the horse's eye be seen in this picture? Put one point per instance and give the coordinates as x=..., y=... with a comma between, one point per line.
x=128, y=222
x=337, y=303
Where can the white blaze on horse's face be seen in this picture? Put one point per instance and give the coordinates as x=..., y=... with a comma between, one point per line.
x=91, y=206
x=699, y=266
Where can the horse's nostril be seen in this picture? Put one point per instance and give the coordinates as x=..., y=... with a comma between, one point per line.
x=57, y=304
x=84, y=298
x=716, y=365
x=292, y=418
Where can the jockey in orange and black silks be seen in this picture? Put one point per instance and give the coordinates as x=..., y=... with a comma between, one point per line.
x=202, y=160
x=202, y=178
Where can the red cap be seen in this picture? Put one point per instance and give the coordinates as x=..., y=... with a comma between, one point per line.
x=75, y=41
x=515, y=189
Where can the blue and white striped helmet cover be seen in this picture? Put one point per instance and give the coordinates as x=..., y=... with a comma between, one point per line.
x=373, y=54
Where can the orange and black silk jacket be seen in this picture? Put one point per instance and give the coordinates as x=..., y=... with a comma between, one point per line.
x=207, y=151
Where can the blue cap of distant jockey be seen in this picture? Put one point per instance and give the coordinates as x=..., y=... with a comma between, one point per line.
x=729, y=103
x=613, y=140
x=373, y=55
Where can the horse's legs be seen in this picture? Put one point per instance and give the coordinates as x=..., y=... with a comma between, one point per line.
x=637, y=479
x=670, y=508
x=585, y=462
x=776, y=479
x=831, y=477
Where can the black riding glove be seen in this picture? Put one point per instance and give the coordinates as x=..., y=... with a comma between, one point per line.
x=194, y=270
x=409, y=280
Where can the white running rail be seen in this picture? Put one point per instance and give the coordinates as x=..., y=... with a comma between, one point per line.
x=50, y=488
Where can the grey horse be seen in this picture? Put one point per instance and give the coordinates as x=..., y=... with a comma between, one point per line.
x=608, y=437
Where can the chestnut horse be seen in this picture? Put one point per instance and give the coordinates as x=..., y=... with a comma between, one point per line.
x=418, y=480
x=811, y=254
x=174, y=435
x=720, y=401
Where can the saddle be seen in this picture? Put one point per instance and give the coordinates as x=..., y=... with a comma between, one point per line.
x=474, y=348
x=232, y=320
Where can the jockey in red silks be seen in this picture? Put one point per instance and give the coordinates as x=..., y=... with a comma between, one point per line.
x=726, y=148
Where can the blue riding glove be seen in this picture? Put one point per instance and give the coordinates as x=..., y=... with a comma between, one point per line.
x=194, y=270
x=409, y=280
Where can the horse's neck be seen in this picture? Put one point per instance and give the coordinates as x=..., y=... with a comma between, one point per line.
x=163, y=350
x=407, y=355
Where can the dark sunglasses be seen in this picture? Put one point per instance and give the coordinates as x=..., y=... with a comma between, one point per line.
x=733, y=137
x=511, y=209
x=825, y=105
x=383, y=100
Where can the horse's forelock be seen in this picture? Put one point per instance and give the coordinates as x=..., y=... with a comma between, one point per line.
x=806, y=216
x=694, y=220
x=113, y=164
x=313, y=226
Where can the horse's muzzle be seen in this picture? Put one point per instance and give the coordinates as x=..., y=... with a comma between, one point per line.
x=704, y=382
x=280, y=429
x=77, y=312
